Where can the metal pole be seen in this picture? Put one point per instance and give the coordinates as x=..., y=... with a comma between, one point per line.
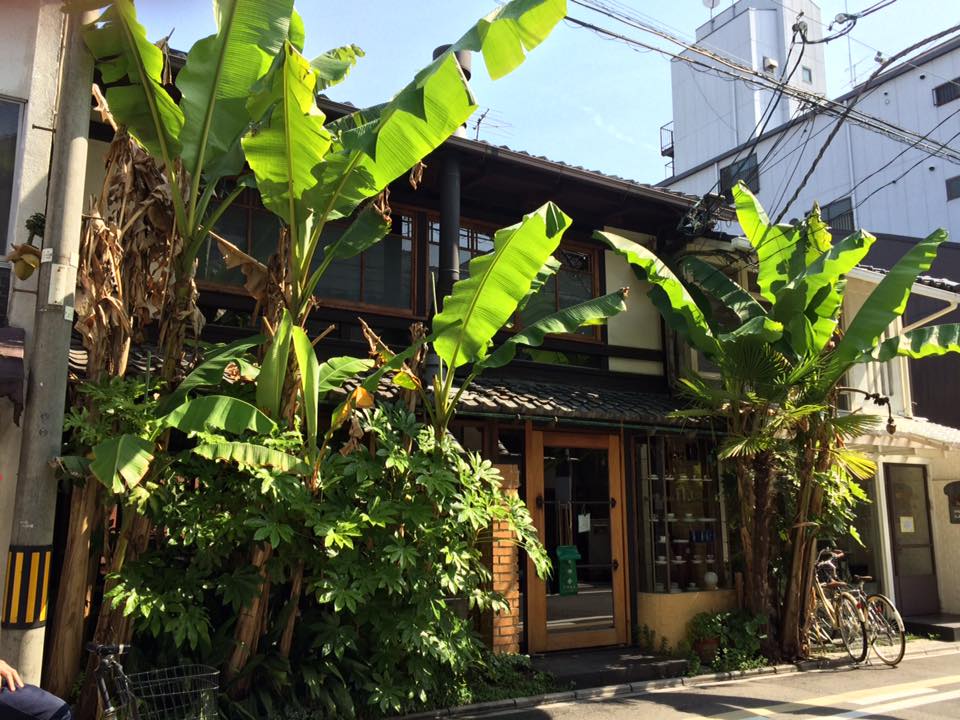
x=21, y=643
x=448, y=270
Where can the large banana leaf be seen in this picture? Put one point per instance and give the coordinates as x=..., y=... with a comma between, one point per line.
x=219, y=412
x=498, y=281
x=568, y=320
x=810, y=303
x=253, y=456
x=887, y=302
x=122, y=462
x=309, y=381
x=219, y=73
x=289, y=142
x=918, y=343
x=715, y=283
x=668, y=294
x=332, y=374
x=132, y=67
x=209, y=372
x=334, y=65
x=550, y=268
x=274, y=369
x=775, y=245
x=378, y=145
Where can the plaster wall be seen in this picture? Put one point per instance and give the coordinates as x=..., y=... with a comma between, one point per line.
x=668, y=615
x=639, y=326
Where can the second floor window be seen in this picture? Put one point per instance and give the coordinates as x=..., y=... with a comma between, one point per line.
x=745, y=170
x=577, y=281
x=248, y=225
x=839, y=215
x=381, y=276
x=948, y=92
x=475, y=239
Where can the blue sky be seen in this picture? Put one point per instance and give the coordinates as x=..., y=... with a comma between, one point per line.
x=578, y=98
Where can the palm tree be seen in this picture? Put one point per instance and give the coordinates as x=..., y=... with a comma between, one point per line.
x=781, y=357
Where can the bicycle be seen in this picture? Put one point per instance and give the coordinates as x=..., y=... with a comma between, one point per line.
x=185, y=692
x=885, y=630
x=836, y=612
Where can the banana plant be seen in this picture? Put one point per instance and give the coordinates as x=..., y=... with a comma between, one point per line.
x=196, y=141
x=801, y=274
x=310, y=171
x=500, y=283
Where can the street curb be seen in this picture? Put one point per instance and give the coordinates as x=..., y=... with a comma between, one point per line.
x=648, y=686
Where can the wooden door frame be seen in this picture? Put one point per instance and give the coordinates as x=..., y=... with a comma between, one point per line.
x=892, y=528
x=538, y=639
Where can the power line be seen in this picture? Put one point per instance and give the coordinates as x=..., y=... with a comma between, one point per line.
x=901, y=175
x=741, y=72
x=849, y=109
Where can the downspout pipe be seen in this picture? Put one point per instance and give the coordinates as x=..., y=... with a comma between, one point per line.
x=448, y=266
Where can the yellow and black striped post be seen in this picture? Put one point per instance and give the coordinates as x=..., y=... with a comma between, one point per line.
x=25, y=596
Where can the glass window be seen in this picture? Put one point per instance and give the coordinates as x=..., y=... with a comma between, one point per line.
x=475, y=239
x=380, y=276
x=9, y=127
x=574, y=283
x=248, y=225
x=681, y=528
x=953, y=188
x=745, y=170
x=807, y=74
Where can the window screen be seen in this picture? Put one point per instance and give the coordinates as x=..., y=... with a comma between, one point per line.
x=839, y=215
x=949, y=91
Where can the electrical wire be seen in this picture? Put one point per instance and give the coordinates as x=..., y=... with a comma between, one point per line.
x=742, y=72
x=901, y=175
x=849, y=109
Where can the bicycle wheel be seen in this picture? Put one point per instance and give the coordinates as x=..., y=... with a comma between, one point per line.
x=820, y=631
x=853, y=630
x=885, y=627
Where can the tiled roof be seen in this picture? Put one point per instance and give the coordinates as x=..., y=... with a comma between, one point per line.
x=939, y=283
x=526, y=399
x=494, y=396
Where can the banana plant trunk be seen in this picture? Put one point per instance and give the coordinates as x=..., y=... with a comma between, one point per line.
x=112, y=626
x=250, y=620
x=70, y=612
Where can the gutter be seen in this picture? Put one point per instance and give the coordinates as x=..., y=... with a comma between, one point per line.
x=519, y=417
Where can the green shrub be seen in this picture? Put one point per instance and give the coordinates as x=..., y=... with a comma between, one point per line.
x=739, y=634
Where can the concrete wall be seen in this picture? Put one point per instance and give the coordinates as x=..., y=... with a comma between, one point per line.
x=30, y=37
x=915, y=205
x=712, y=111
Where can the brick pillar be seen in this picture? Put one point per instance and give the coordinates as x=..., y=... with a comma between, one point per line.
x=501, y=630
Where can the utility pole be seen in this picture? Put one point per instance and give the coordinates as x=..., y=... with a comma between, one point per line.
x=27, y=585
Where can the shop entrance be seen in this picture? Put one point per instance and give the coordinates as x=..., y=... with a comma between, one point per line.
x=575, y=495
x=914, y=573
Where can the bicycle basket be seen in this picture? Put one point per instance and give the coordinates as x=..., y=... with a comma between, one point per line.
x=186, y=692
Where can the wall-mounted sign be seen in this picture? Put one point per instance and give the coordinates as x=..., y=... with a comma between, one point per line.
x=952, y=491
x=906, y=524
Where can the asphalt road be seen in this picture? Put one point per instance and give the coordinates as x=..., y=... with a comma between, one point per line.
x=926, y=687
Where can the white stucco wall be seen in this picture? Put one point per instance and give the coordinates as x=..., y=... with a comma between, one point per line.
x=639, y=326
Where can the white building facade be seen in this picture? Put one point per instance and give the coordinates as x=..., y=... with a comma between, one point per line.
x=872, y=175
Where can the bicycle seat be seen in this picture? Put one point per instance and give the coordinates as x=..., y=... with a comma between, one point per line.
x=863, y=578
x=834, y=584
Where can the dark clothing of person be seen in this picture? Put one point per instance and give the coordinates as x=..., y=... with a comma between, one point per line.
x=31, y=703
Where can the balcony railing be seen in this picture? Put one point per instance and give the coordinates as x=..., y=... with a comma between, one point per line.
x=666, y=140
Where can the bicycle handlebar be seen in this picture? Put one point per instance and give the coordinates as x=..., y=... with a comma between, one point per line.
x=107, y=650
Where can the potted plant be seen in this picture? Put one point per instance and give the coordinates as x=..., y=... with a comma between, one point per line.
x=704, y=631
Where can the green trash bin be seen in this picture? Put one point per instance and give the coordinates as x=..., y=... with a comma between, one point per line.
x=567, y=556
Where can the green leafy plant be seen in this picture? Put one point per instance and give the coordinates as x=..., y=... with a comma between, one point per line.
x=779, y=363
